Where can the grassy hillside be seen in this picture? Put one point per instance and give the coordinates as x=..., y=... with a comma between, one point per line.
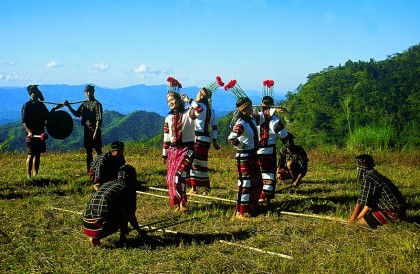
x=37, y=235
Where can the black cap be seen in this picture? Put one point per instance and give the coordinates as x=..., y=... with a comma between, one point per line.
x=89, y=88
x=267, y=101
x=32, y=89
x=365, y=161
x=117, y=145
x=242, y=100
x=127, y=173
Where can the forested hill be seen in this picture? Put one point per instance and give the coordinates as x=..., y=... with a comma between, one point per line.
x=360, y=102
x=136, y=126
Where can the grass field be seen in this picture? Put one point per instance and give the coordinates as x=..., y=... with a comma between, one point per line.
x=38, y=235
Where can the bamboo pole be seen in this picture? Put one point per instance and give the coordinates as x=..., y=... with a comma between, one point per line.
x=314, y=216
x=151, y=228
x=161, y=196
x=66, y=210
x=197, y=195
x=171, y=224
x=54, y=103
x=257, y=249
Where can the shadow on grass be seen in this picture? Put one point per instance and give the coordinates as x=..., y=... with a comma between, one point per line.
x=414, y=219
x=179, y=239
x=41, y=182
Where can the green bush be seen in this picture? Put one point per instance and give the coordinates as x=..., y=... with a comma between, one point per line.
x=370, y=138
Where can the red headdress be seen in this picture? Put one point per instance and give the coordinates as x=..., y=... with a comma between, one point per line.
x=212, y=87
x=268, y=88
x=173, y=85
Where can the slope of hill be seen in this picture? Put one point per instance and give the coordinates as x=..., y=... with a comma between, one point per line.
x=136, y=126
x=361, y=101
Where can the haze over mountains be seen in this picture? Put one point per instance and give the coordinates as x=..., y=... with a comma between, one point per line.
x=123, y=100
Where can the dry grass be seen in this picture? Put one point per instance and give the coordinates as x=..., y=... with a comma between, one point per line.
x=36, y=238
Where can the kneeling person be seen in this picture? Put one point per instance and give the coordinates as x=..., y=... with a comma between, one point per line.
x=293, y=162
x=379, y=200
x=112, y=207
x=105, y=167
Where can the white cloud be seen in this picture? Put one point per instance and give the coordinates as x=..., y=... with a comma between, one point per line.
x=52, y=64
x=143, y=69
x=12, y=77
x=102, y=66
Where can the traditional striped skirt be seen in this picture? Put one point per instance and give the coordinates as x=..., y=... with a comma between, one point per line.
x=375, y=218
x=178, y=173
x=199, y=175
x=99, y=227
x=267, y=161
x=249, y=182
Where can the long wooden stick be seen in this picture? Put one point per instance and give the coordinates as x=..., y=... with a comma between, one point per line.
x=314, y=216
x=171, y=224
x=66, y=210
x=161, y=196
x=145, y=225
x=257, y=249
x=53, y=103
x=198, y=195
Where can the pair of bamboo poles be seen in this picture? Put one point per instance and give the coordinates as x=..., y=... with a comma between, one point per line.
x=163, y=228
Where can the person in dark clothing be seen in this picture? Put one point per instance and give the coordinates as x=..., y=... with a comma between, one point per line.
x=105, y=167
x=379, y=201
x=293, y=162
x=112, y=207
x=34, y=117
x=91, y=113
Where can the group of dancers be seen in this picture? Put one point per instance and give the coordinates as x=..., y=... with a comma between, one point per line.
x=189, y=130
x=191, y=127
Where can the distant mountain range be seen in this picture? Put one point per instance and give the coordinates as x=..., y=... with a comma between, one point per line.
x=136, y=126
x=122, y=100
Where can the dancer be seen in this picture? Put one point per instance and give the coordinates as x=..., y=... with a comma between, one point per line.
x=244, y=137
x=380, y=201
x=112, y=207
x=91, y=113
x=205, y=122
x=34, y=117
x=270, y=130
x=178, y=146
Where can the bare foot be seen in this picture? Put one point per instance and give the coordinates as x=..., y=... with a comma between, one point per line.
x=95, y=242
x=295, y=184
x=241, y=217
x=182, y=207
x=192, y=191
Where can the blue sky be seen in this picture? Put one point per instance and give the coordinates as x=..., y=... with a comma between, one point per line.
x=123, y=43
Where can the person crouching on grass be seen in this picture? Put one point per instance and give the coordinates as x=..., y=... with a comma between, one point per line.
x=379, y=199
x=105, y=167
x=293, y=162
x=112, y=207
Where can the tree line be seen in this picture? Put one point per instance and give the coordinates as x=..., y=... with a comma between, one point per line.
x=359, y=104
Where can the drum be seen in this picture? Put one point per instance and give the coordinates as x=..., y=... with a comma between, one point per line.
x=59, y=124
